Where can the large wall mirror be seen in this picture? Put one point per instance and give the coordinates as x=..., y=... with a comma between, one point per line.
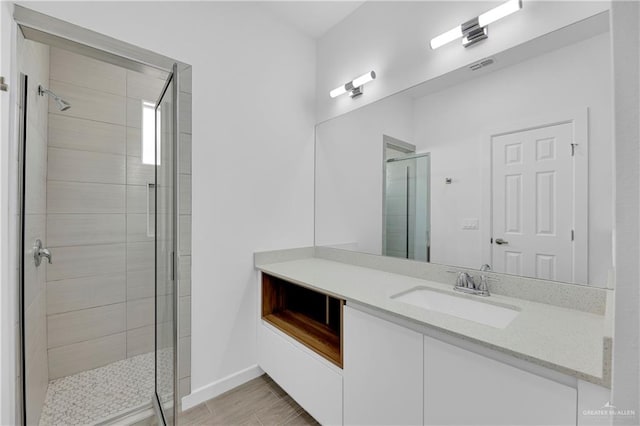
x=507, y=162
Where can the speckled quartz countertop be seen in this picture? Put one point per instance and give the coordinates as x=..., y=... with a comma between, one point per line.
x=570, y=341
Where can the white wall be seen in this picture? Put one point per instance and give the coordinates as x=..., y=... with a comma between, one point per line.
x=563, y=81
x=349, y=155
x=392, y=38
x=625, y=17
x=253, y=117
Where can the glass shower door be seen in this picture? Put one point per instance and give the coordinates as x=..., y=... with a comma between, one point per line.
x=166, y=131
x=407, y=207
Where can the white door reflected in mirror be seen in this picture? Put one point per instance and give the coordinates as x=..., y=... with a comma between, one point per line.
x=534, y=185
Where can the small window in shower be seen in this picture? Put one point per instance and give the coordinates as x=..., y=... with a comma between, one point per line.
x=151, y=210
x=148, y=134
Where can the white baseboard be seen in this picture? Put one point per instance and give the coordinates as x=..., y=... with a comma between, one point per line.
x=205, y=393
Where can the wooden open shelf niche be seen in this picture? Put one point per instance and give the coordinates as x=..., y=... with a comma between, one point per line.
x=312, y=318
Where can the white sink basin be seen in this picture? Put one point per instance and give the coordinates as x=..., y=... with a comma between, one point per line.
x=487, y=313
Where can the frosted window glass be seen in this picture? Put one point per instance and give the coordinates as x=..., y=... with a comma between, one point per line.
x=148, y=133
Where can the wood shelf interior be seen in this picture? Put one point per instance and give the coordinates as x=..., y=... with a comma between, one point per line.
x=312, y=318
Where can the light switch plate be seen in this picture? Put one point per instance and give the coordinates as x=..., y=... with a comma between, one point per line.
x=470, y=224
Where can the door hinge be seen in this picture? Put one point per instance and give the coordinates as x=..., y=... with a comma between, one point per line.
x=3, y=86
x=573, y=235
x=573, y=149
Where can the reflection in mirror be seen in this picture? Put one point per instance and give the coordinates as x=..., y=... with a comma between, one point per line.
x=406, y=201
x=506, y=162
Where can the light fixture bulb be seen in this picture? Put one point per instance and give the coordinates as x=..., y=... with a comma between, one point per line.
x=338, y=91
x=469, y=29
x=448, y=37
x=499, y=12
x=354, y=86
x=363, y=79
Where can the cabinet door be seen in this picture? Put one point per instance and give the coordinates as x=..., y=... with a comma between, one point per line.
x=382, y=372
x=464, y=388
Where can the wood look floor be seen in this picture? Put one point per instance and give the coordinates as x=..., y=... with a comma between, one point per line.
x=260, y=402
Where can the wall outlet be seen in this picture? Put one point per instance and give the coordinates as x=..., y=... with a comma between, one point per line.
x=470, y=224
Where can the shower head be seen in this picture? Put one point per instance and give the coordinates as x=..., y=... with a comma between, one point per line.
x=61, y=103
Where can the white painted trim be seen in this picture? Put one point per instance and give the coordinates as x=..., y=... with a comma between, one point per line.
x=486, y=221
x=581, y=196
x=580, y=120
x=205, y=393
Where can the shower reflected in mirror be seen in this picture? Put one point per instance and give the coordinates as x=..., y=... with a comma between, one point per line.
x=406, y=202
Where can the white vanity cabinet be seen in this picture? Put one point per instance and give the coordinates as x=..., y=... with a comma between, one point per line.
x=463, y=388
x=300, y=346
x=309, y=379
x=348, y=363
x=382, y=371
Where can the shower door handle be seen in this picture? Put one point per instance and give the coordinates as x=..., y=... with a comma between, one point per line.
x=39, y=252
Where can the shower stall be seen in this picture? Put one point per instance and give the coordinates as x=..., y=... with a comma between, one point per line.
x=104, y=226
x=406, y=228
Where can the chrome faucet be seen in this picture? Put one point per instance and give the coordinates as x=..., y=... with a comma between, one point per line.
x=484, y=286
x=466, y=284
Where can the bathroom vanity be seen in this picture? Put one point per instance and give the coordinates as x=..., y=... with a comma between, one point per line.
x=337, y=334
x=366, y=328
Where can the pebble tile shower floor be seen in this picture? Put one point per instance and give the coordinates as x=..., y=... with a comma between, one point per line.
x=104, y=393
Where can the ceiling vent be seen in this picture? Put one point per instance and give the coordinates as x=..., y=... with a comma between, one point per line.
x=483, y=63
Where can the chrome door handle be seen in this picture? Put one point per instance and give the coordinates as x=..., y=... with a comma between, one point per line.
x=500, y=241
x=39, y=253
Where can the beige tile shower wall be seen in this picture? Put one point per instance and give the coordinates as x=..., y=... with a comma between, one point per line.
x=33, y=60
x=101, y=287
x=184, y=239
x=86, y=215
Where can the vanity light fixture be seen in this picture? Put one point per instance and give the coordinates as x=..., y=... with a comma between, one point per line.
x=354, y=86
x=475, y=30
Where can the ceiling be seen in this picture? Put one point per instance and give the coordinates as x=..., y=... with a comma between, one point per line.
x=313, y=18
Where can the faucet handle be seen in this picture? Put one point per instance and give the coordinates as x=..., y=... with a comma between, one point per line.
x=39, y=252
x=465, y=281
x=483, y=286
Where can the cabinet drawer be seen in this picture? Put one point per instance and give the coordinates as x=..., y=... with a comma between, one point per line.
x=310, y=380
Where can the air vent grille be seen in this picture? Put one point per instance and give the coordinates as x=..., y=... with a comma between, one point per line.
x=483, y=63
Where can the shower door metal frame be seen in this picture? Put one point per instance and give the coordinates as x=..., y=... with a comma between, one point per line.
x=55, y=32
x=157, y=404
